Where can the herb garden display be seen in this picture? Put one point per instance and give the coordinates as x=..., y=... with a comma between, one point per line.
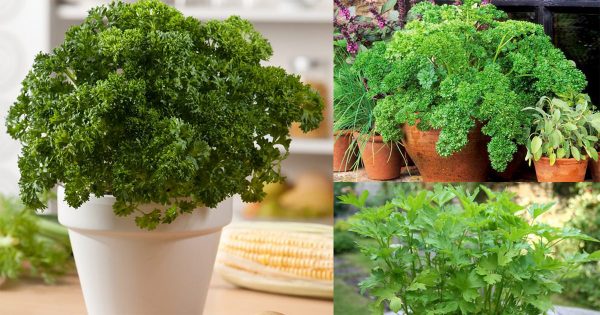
x=356, y=134
x=146, y=113
x=456, y=82
x=441, y=251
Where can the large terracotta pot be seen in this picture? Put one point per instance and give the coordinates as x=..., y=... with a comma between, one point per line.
x=471, y=164
x=343, y=159
x=382, y=160
x=595, y=170
x=563, y=170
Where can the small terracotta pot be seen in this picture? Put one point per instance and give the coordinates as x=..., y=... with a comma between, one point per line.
x=343, y=159
x=563, y=170
x=471, y=164
x=513, y=166
x=595, y=170
x=382, y=160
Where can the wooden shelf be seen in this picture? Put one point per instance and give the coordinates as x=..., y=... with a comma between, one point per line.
x=261, y=15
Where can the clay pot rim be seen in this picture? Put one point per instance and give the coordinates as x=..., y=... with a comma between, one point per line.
x=478, y=126
x=372, y=137
x=345, y=132
x=563, y=161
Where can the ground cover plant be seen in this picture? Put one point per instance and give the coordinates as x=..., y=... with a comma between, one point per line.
x=442, y=252
x=150, y=106
x=456, y=66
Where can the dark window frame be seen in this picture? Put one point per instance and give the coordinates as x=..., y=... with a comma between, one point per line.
x=545, y=9
x=544, y=13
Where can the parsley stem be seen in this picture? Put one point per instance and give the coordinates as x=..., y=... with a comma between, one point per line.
x=70, y=77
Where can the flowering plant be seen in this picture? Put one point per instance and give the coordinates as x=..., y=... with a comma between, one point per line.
x=357, y=32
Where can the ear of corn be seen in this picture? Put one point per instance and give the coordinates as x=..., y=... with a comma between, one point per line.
x=288, y=258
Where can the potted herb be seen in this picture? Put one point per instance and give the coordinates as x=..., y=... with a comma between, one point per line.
x=352, y=111
x=442, y=252
x=143, y=112
x=454, y=82
x=560, y=142
x=382, y=160
x=354, y=129
x=355, y=31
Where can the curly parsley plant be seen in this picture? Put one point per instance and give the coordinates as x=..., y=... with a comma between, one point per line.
x=453, y=67
x=150, y=106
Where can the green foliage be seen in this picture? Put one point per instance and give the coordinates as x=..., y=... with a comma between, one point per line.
x=343, y=242
x=28, y=239
x=584, y=287
x=354, y=105
x=347, y=300
x=455, y=66
x=148, y=105
x=442, y=252
x=560, y=128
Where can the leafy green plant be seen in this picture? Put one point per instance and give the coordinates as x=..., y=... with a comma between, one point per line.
x=151, y=106
x=442, y=252
x=31, y=244
x=354, y=106
x=560, y=128
x=584, y=287
x=453, y=67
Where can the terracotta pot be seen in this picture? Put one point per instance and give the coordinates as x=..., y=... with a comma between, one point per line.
x=471, y=164
x=563, y=170
x=343, y=160
x=513, y=166
x=595, y=170
x=382, y=160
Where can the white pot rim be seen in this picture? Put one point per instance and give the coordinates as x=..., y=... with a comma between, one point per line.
x=96, y=216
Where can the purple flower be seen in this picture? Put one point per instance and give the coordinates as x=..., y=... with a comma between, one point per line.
x=344, y=11
x=401, y=12
x=352, y=47
x=380, y=20
x=484, y=2
x=457, y=2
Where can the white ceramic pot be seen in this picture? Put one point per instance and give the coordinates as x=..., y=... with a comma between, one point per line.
x=129, y=271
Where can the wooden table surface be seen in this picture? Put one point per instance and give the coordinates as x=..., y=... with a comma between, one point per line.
x=32, y=297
